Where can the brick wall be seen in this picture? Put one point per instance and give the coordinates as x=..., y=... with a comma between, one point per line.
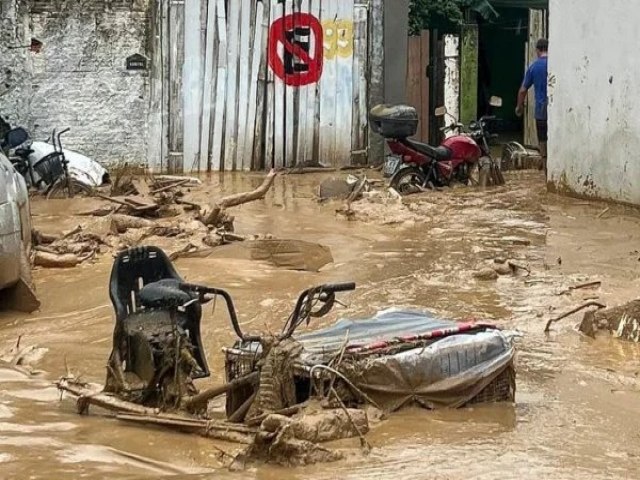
x=79, y=79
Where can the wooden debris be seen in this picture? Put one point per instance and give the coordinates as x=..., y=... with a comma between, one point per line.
x=197, y=401
x=122, y=223
x=192, y=181
x=179, y=183
x=216, y=216
x=54, y=260
x=575, y=310
x=98, y=212
x=92, y=395
x=207, y=428
x=621, y=320
x=141, y=186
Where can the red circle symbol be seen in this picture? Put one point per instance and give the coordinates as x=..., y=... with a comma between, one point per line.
x=295, y=49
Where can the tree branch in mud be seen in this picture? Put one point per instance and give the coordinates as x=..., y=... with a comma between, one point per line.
x=50, y=259
x=92, y=396
x=197, y=401
x=215, y=215
x=207, y=428
x=575, y=310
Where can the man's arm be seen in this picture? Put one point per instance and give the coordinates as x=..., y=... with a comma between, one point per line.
x=522, y=97
x=522, y=93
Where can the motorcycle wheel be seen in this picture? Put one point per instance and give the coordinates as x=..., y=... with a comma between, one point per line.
x=463, y=174
x=408, y=180
x=60, y=190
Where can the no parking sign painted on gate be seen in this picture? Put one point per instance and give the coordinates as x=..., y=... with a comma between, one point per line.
x=290, y=54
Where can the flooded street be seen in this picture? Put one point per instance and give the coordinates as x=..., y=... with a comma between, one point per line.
x=576, y=401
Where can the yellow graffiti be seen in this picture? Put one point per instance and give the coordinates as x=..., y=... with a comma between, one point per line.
x=338, y=38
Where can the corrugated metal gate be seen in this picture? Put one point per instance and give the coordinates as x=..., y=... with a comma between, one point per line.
x=268, y=83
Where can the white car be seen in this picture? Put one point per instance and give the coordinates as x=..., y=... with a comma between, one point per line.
x=16, y=287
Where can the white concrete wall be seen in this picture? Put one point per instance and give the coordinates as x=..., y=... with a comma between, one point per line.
x=79, y=79
x=594, y=99
x=15, y=63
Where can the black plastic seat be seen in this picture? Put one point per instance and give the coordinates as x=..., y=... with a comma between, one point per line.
x=136, y=268
x=437, y=153
x=163, y=294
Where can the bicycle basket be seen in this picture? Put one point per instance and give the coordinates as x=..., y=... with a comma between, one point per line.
x=50, y=168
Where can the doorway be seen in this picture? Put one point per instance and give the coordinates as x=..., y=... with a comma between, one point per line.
x=501, y=63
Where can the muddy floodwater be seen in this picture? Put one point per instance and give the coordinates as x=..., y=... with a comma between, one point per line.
x=577, y=399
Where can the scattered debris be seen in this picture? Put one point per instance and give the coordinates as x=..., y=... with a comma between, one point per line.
x=621, y=321
x=575, y=310
x=580, y=286
x=517, y=157
x=147, y=207
x=22, y=359
x=486, y=274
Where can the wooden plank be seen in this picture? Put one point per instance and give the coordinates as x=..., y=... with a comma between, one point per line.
x=246, y=38
x=176, y=61
x=376, y=74
x=327, y=140
x=221, y=88
x=279, y=131
x=166, y=54
x=302, y=97
x=156, y=140
x=290, y=94
x=413, y=72
x=355, y=86
x=425, y=58
x=261, y=95
x=360, y=66
x=208, y=87
x=257, y=49
x=231, y=114
x=313, y=101
x=344, y=82
x=269, y=121
x=192, y=83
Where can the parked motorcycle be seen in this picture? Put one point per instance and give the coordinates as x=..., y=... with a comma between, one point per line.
x=51, y=169
x=415, y=166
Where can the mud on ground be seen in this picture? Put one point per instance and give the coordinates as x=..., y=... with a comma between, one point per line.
x=577, y=397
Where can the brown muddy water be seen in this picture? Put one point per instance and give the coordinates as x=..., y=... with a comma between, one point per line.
x=576, y=406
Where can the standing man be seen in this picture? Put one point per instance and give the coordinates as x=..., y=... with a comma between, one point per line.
x=536, y=76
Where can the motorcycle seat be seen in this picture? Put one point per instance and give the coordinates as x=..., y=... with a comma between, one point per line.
x=437, y=153
x=163, y=294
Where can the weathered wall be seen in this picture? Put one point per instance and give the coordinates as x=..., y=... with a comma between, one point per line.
x=79, y=79
x=593, y=101
x=15, y=63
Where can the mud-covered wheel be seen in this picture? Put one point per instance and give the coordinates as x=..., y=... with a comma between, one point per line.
x=408, y=180
x=78, y=189
x=463, y=174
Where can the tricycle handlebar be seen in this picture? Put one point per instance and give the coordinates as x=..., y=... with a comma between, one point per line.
x=338, y=287
x=324, y=294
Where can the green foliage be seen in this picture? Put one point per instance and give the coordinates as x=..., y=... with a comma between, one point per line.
x=445, y=15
